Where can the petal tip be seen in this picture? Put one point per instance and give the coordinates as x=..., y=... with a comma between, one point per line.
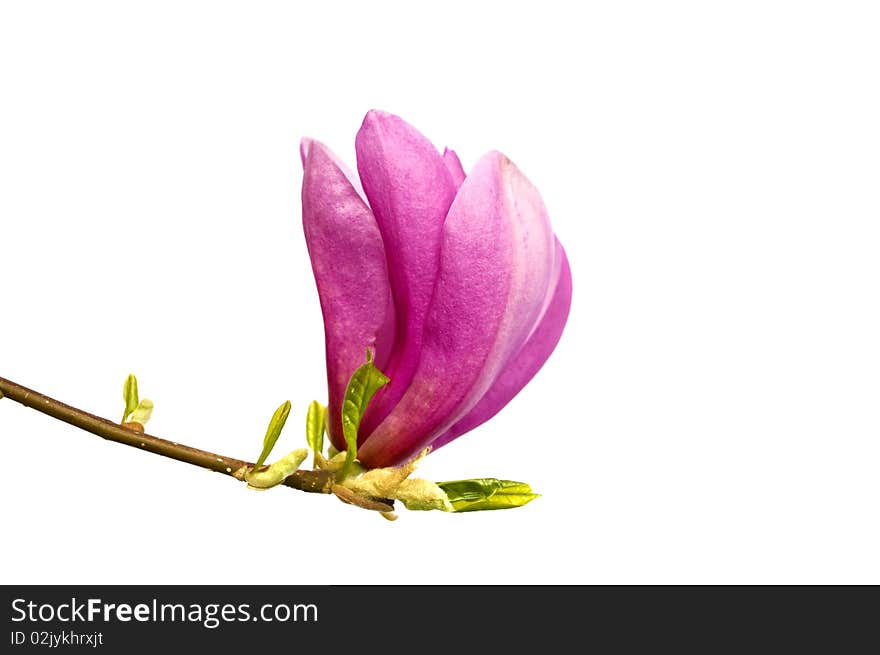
x=493, y=164
x=374, y=116
x=453, y=163
x=378, y=114
x=504, y=162
x=305, y=146
x=381, y=121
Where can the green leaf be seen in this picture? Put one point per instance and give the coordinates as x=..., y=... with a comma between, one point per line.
x=487, y=493
x=274, y=431
x=362, y=386
x=316, y=420
x=277, y=471
x=130, y=396
x=142, y=412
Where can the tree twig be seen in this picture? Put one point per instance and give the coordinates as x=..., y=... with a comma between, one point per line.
x=310, y=481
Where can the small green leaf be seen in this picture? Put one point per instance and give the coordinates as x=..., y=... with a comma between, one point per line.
x=316, y=419
x=274, y=431
x=277, y=471
x=487, y=493
x=130, y=396
x=142, y=412
x=362, y=386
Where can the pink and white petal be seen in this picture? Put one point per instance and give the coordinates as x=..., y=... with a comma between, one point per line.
x=523, y=366
x=410, y=191
x=453, y=163
x=496, y=264
x=348, y=260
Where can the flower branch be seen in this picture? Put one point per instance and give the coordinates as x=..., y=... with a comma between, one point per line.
x=316, y=481
x=453, y=282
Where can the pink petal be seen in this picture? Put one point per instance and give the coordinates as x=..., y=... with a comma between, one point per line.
x=523, y=366
x=496, y=263
x=410, y=190
x=348, y=260
x=453, y=163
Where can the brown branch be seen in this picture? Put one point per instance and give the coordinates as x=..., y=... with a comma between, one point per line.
x=350, y=497
x=310, y=481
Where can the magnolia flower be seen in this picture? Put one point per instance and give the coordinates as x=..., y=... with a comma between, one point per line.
x=455, y=282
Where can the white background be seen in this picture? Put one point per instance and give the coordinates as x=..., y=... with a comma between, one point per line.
x=711, y=414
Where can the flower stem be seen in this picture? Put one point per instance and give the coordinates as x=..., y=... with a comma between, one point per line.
x=310, y=481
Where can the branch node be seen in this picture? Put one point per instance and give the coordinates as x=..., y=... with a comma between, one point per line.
x=350, y=497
